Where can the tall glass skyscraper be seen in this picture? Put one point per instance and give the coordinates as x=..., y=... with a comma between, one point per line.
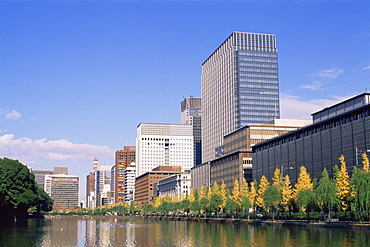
x=240, y=86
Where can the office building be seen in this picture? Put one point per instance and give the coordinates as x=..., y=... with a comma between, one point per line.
x=236, y=162
x=63, y=189
x=191, y=113
x=146, y=184
x=163, y=145
x=124, y=159
x=340, y=129
x=103, y=194
x=90, y=190
x=130, y=174
x=239, y=87
x=40, y=174
x=176, y=186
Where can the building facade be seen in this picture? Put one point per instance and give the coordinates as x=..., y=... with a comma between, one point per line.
x=191, y=113
x=176, y=186
x=40, y=175
x=341, y=129
x=124, y=159
x=130, y=174
x=163, y=145
x=146, y=184
x=239, y=87
x=200, y=176
x=63, y=189
x=236, y=161
x=103, y=193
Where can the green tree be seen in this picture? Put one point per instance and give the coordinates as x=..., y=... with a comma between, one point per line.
x=361, y=192
x=272, y=198
x=19, y=191
x=215, y=203
x=245, y=204
x=204, y=205
x=185, y=205
x=231, y=206
x=326, y=193
x=306, y=199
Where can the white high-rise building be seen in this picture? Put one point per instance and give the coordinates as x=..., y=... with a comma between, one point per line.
x=129, y=177
x=164, y=145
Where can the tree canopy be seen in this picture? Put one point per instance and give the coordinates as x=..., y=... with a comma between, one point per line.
x=19, y=191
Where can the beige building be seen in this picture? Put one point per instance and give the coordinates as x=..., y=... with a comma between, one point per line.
x=235, y=161
x=63, y=189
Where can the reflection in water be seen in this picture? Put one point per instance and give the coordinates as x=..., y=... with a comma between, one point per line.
x=77, y=231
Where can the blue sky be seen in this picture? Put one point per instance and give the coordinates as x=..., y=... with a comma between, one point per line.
x=77, y=77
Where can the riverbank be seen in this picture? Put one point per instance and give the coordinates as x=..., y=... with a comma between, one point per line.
x=290, y=223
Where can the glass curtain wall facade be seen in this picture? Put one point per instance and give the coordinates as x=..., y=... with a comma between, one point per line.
x=318, y=146
x=239, y=87
x=191, y=113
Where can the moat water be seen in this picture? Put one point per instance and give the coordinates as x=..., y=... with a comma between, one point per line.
x=70, y=231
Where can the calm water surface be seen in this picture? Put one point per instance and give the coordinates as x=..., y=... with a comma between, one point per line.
x=140, y=232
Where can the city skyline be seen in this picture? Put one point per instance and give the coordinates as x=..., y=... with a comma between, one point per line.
x=78, y=77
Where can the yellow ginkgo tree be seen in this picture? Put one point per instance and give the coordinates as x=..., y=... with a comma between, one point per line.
x=343, y=185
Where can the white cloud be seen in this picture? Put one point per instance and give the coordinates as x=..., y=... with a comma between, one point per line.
x=28, y=150
x=366, y=68
x=13, y=115
x=330, y=73
x=314, y=86
x=293, y=107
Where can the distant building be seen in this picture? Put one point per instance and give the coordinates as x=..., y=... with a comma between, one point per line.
x=64, y=190
x=340, y=129
x=235, y=161
x=40, y=174
x=176, y=186
x=164, y=145
x=103, y=193
x=130, y=174
x=124, y=158
x=90, y=190
x=240, y=87
x=191, y=113
x=146, y=184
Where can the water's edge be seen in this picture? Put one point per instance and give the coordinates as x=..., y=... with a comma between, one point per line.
x=296, y=223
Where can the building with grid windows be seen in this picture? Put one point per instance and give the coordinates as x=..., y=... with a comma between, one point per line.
x=146, y=185
x=164, y=145
x=239, y=87
x=341, y=129
x=63, y=189
x=191, y=113
x=124, y=158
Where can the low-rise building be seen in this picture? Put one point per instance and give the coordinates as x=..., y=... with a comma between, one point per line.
x=146, y=184
x=341, y=129
x=176, y=186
